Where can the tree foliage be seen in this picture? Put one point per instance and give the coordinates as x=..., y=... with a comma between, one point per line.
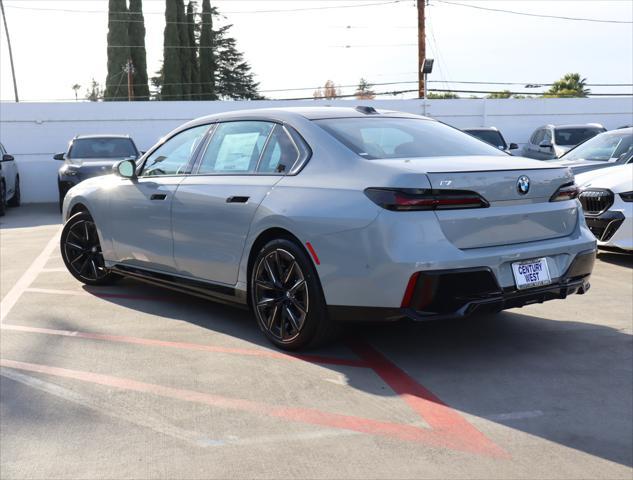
x=328, y=91
x=207, y=54
x=171, y=81
x=364, y=90
x=193, y=53
x=501, y=94
x=136, y=35
x=570, y=85
x=118, y=50
x=217, y=70
x=442, y=95
x=94, y=93
x=184, y=50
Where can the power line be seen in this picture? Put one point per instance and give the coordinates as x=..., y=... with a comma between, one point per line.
x=394, y=92
x=533, y=14
x=237, y=12
x=444, y=81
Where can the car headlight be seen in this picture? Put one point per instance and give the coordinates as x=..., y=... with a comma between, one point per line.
x=69, y=171
x=627, y=196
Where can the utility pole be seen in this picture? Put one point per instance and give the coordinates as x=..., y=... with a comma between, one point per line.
x=421, y=49
x=6, y=30
x=129, y=69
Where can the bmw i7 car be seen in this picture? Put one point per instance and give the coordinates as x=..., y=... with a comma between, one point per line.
x=313, y=216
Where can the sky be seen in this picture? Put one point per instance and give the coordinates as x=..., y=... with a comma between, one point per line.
x=58, y=43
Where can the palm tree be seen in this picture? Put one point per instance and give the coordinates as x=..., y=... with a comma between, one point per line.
x=76, y=88
x=571, y=85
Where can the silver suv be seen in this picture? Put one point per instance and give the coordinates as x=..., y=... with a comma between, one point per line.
x=552, y=141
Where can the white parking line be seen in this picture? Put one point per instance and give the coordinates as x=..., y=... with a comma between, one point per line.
x=56, y=292
x=27, y=278
x=515, y=415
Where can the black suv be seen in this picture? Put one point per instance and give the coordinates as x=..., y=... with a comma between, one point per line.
x=90, y=156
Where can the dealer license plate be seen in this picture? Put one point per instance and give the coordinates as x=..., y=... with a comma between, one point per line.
x=531, y=273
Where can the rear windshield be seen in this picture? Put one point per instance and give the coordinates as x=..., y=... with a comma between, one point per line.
x=492, y=137
x=573, y=136
x=88, y=148
x=384, y=137
x=608, y=147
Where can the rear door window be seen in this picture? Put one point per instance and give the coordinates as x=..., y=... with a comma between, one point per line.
x=235, y=148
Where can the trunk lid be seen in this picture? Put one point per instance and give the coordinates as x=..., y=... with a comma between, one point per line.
x=513, y=217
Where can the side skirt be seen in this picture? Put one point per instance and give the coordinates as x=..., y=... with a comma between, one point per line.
x=206, y=290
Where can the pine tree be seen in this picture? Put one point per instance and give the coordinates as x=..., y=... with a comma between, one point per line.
x=184, y=51
x=172, y=73
x=234, y=79
x=118, y=50
x=207, y=61
x=364, y=90
x=136, y=34
x=193, y=54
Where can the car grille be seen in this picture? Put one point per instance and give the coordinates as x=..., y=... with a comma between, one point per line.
x=594, y=202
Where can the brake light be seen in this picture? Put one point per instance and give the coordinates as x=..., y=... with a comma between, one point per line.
x=568, y=191
x=413, y=199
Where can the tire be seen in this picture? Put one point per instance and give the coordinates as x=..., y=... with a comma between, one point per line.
x=15, y=199
x=3, y=198
x=81, y=251
x=286, y=297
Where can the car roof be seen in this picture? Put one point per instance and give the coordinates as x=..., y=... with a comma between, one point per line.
x=108, y=135
x=487, y=129
x=574, y=125
x=311, y=113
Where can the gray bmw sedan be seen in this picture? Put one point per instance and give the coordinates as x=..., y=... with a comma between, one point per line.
x=313, y=216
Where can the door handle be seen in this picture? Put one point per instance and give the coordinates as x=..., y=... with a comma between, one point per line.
x=158, y=196
x=237, y=199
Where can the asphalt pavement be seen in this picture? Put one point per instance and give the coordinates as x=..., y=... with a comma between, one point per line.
x=133, y=381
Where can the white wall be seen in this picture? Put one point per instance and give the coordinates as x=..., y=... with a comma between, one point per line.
x=34, y=132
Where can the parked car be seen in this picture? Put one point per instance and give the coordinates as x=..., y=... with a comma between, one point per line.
x=90, y=156
x=552, y=141
x=9, y=181
x=492, y=136
x=316, y=215
x=607, y=200
x=607, y=149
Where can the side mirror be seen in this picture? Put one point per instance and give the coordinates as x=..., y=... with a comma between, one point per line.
x=125, y=169
x=58, y=156
x=513, y=146
x=7, y=158
x=545, y=145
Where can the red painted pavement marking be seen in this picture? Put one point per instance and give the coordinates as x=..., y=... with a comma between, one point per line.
x=434, y=411
x=436, y=438
x=190, y=346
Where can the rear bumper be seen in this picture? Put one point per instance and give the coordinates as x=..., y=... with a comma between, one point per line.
x=446, y=294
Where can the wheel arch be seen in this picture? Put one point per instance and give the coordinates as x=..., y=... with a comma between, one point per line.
x=262, y=239
x=76, y=208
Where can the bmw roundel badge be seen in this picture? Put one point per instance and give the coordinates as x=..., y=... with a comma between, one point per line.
x=523, y=184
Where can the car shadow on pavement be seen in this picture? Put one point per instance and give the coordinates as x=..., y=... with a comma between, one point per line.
x=620, y=258
x=565, y=381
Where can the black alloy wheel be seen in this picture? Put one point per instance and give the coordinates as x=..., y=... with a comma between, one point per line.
x=81, y=251
x=286, y=296
x=16, y=198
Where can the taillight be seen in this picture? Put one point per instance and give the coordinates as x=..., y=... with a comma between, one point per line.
x=568, y=191
x=407, y=199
